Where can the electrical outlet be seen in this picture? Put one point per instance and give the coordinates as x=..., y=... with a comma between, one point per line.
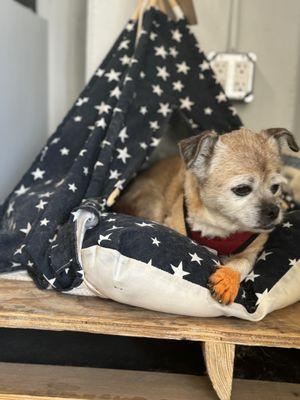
x=235, y=72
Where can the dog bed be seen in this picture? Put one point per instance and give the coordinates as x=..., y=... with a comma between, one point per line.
x=145, y=264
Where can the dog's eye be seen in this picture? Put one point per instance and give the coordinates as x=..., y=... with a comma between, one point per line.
x=242, y=190
x=275, y=188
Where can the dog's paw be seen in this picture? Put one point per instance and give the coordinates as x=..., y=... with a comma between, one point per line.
x=224, y=285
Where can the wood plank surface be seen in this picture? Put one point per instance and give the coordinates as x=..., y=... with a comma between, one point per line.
x=34, y=382
x=22, y=305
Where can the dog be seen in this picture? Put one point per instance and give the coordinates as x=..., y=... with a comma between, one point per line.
x=222, y=189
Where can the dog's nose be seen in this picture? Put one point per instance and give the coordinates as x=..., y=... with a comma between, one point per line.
x=270, y=211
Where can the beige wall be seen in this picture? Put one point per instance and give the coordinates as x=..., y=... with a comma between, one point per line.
x=66, y=21
x=23, y=96
x=270, y=28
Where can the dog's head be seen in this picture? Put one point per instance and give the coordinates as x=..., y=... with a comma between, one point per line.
x=239, y=174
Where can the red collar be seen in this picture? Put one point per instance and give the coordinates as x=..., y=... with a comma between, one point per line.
x=228, y=245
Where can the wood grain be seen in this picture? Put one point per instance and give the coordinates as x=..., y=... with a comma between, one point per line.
x=219, y=360
x=44, y=382
x=22, y=305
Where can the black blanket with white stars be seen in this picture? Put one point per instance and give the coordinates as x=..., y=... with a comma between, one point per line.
x=104, y=140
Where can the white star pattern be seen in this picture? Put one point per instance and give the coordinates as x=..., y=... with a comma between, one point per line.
x=64, y=151
x=125, y=60
x=157, y=90
x=78, y=118
x=233, y=110
x=52, y=240
x=143, y=110
x=161, y=51
x=130, y=26
x=101, y=123
x=27, y=229
x=162, y=73
x=104, y=143
x=116, y=92
x=113, y=75
x=76, y=214
x=287, y=224
x=103, y=238
x=261, y=296
x=55, y=140
x=153, y=36
x=98, y=164
x=119, y=184
x=164, y=109
x=143, y=224
x=38, y=174
x=178, y=271
x=178, y=86
x=123, y=154
x=114, y=227
x=41, y=205
x=173, y=52
x=19, y=250
x=196, y=258
x=293, y=262
x=85, y=171
x=208, y=111
x=204, y=66
x=47, y=194
x=100, y=72
x=143, y=145
x=154, y=125
x=221, y=97
x=264, y=255
x=186, y=103
x=251, y=276
x=155, y=241
x=10, y=208
x=80, y=101
x=44, y=222
x=22, y=190
x=72, y=187
x=123, y=135
x=182, y=68
x=155, y=142
x=103, y=108
x=124, y=45
x=176, y=35
x=114, y=174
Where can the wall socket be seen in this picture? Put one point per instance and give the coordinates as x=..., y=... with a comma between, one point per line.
x=235, y=72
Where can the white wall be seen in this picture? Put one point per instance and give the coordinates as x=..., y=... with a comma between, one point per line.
x=66, y=53
x=270, y=28
x=23, y=91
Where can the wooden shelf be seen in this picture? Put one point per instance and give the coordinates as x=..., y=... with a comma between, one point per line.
x=23, y=306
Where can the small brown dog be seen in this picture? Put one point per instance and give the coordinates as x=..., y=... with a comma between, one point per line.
x=229, y=186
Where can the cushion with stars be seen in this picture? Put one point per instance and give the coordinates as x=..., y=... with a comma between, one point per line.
x=145, y=264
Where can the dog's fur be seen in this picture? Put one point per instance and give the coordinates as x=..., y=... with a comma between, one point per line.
x=210, y=169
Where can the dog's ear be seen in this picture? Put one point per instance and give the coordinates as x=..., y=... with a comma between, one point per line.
x=198, y=148
x=280, y=135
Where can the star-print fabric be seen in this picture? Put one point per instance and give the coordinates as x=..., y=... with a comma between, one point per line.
x=109, y=133
x=145, y=264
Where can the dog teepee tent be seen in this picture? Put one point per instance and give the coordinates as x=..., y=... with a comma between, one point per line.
x=113, y=126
